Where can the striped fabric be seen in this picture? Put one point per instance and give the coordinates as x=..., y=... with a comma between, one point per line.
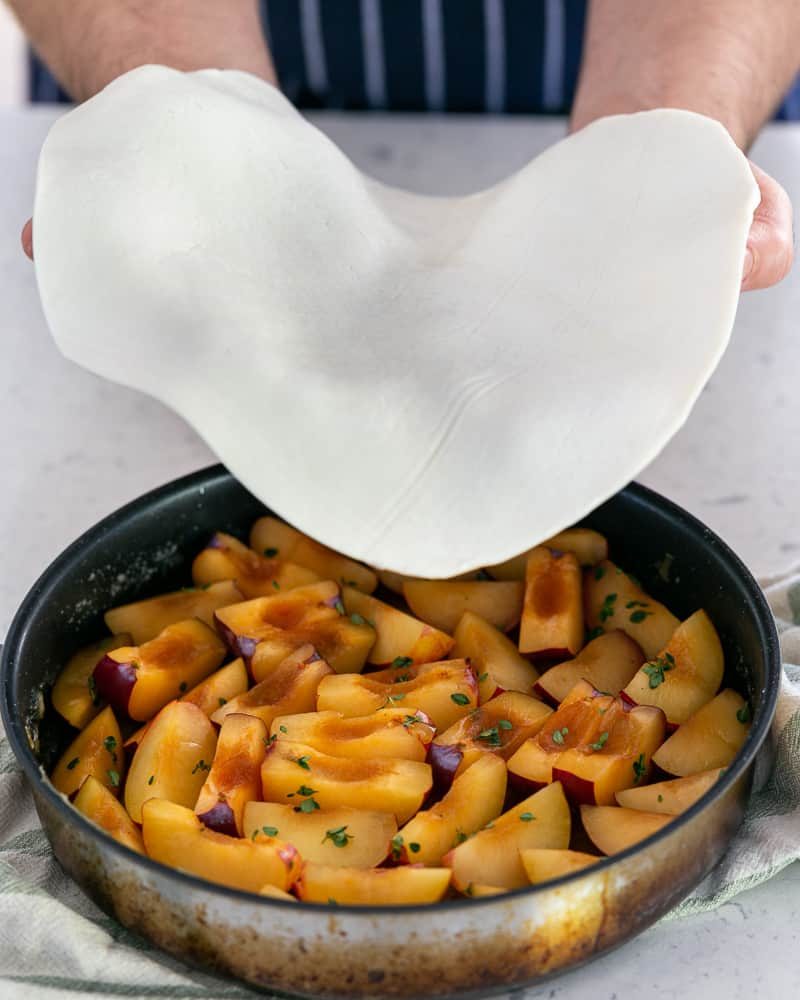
x=498, y=56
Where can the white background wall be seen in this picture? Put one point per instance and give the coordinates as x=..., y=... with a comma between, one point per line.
x=12, y=60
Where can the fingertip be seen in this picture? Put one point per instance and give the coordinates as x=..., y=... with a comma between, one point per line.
x=27, y=238
x=747, y=268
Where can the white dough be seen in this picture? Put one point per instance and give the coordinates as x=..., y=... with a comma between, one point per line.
x=427, y=384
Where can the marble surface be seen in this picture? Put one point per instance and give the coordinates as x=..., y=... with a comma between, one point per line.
x=74, y=448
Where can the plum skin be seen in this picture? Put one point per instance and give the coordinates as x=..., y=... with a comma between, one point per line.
x=114, y=682
x=220, y=819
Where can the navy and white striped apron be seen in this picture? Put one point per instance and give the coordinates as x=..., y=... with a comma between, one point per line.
x=423, y=55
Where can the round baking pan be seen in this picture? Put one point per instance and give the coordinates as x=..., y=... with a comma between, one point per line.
x=458, y=947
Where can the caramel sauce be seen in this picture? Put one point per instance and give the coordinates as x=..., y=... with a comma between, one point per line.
x=548, y=594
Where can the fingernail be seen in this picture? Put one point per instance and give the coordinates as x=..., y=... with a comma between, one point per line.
x=747, y=267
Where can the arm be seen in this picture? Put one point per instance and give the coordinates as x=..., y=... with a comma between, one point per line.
x=729, y=59
x=87, y=43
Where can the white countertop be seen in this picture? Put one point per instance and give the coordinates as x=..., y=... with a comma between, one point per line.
x=74, y=448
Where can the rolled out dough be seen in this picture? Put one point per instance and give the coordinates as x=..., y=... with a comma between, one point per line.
x=427, y=384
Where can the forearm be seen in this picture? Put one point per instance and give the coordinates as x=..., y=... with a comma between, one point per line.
x=87, y=43
x=729, y=59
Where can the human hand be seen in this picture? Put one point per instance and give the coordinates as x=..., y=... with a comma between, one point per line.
x=770, y=243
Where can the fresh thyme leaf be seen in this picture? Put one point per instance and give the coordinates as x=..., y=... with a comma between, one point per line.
x=559, y=734
x=283, y=729
x=307, y=806
x=358, y=619
x=92, y=685
x=222, y=701
x=607, y=608
x=270, y=552
x=269, y=831
x=339, y=837
x=397, y=846
x=526, y=817
x=339, y=606
x=482, y=575
x=201, y=766
x=656, y=670
x=110, y=743
x=460, y=838
x=113, y=777
x=483, y=677
x=414, y=848
x=276, y=585
x=601, y=741
x=459, y=698
x=73, y=763
x=639, y=616
x=402, y=661
x=504, y=724
x=593, y=633
x=490, y=736
x=599, y=572
x=639, y=769
x=410, y=720
x=743, y=714
x=303, y=762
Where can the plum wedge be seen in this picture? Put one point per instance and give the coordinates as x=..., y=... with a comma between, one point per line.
x=389, y=732
x=608, y=663
x=300, y=776
x=226, y=558
x=542, y=864
x=96, y=751
x=613, y=600
x=499, y=727
x=492, y=856
x=235, y=775
x=711, y=738
x=442, y=603
x=552, y=615
x=475, y=798
x=494, y=657
x=73, y=695
x=219, y=688
x=342, y=837
x=399, y=635
x=684, y=675
x=276, y=539
x=402, y=886
x=266, y=630
x=139, y=680
x=97, y=803
x=445, y=692
x=288, y=689
x=670, y=798
x=612, y=829
x=144, y=620
x=593, y=744
x=174, y=836
x=172, y=760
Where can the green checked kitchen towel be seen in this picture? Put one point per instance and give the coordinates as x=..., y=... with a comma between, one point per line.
x=55, y=943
